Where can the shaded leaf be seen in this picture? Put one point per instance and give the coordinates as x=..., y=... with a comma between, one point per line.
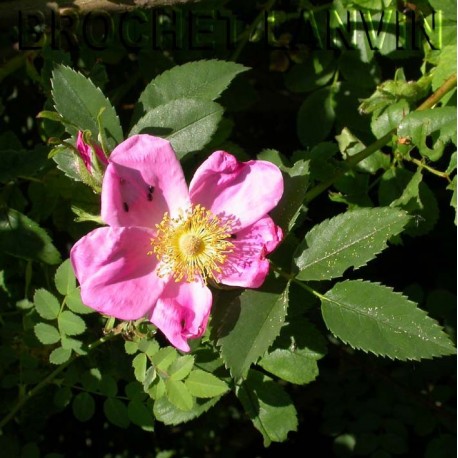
x=116, y=412
x=296, y=182
x=141, y=414
x=402, y=188
x=253, y=321
x=24, y=238
x=268, y=406
x=83, y=406
x=295, y=352
x=316, y=117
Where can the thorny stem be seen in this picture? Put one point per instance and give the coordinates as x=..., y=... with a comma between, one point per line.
x=248, y=33
x=48, y=379
x=352, y=161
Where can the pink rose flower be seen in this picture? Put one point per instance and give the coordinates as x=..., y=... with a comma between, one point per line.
x=86, y=153
x=164, y=242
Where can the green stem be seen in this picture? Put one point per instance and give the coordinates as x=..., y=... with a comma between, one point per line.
x=422, y=165
x=48, y=379
x=366, y=152
x=292, y=278
x=248, y=33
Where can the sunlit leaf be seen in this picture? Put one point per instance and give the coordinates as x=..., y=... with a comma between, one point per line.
x=374, y=318
x=347, y=240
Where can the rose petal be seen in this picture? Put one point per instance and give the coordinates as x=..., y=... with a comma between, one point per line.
x=182, y=311
x=116, y=275
x=246, y=190
x=143, y=181
x=247, y=265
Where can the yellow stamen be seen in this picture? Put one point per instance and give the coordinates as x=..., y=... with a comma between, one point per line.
x=192, y=245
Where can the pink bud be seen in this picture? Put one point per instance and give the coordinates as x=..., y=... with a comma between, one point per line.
x=86, y=151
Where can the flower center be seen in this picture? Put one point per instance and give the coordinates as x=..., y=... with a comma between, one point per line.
x=192, y=245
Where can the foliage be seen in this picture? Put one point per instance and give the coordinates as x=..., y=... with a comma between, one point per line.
x=351, y=337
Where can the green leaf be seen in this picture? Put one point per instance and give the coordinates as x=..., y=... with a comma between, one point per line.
x=316, y=117
x=74, y=303
x=181, y=367
x=296, y=181
x=62, y=397
x=60, y=355
x=46, y=304
x=116, y=412
x=130, y=347
x=19, y=162
x=23, y=238
x=71, y=324
x=139, y=365
x=68, y=162
x=157, y=389
x=268, y=406
x=349, y=145
x=202, y=384
x=79, y=101
x=65, y=278
x=389, y=118
x=418, y=125
x=296, y=352
x=46, y=333
x=452, y=187
x=72, y=344
x=187, y=123
x=253, y=321
x=150, y=376
x=178, y=394
x=374, y=318
x=169, y=414
x=141, y=415
x=347, y=240
x=446, y=66
x=402, y=188
x=83, y=406
x=204, y=79
x=148, y=346
x=314, y=72
x=108, y=386
x=164, y=358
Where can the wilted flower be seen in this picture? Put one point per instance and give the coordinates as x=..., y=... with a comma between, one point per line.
x=164, y=242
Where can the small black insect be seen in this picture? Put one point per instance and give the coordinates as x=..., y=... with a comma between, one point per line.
x=233, y=236
x=149, y=196
x=125, y=206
